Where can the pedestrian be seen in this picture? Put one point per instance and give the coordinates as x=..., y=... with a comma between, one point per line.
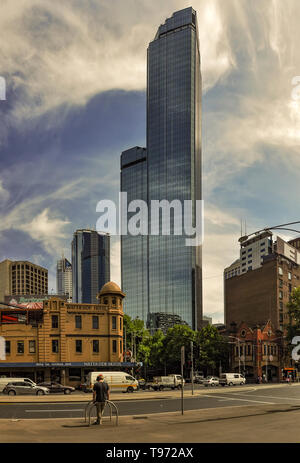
x=100, y=396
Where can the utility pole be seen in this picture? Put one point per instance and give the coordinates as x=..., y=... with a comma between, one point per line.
x=192, y=370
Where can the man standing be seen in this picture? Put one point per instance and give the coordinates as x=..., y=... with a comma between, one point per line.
x=100, y=395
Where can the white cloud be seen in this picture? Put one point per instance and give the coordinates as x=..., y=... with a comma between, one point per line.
x=49, y=231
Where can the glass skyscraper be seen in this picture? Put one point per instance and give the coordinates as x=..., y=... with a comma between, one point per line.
x=90, y=264
x=173, y=172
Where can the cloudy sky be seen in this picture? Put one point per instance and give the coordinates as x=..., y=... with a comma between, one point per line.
x=76, y=77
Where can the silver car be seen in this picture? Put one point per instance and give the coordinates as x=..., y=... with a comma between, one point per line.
x=22, y=388
x=211, y=381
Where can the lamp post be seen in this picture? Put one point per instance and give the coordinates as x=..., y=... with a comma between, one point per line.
x=238, y=339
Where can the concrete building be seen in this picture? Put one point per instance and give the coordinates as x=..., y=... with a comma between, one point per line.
x=206, y=320
x=64, y=341
x=64, y=278
x=261, y=294
x=21, y=278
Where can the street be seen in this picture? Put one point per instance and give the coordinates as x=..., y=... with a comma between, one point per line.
x=145, y=403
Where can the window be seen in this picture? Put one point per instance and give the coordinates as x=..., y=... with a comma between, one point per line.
x=249, y=349
x=7, y=347
x=262, y=250
x=78, y=345
x=55, y=346
x=280, y=283
x=114, y=346
x=120, y=323
x=54, y=321
x=250, y=268
x=114, y=301
x=95, y=346
x=249, y=256
x=32, y=347
x=95, y=322
x=289, y=276
x=265, y=349
x=105, y=300
x=78, y=323
x=280, y=294
x=280, y=271
x=114, y=323
x=20, y=347
x=250, y=249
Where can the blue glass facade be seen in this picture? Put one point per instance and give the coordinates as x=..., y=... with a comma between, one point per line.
x=173, y=169
x=134, y=267
x=90, y=263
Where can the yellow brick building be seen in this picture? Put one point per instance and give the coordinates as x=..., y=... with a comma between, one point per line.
x=64, y=341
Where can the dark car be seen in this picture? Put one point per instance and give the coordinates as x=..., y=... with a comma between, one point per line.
x=56, y=387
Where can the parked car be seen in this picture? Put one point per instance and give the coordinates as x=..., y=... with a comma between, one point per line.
x=56, y=387
x=198, y=379
x=5, y=381
x=211, y=381
x=23, y=388
x=231, y=379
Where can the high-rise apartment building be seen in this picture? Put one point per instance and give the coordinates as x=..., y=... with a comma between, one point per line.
x=173, y=172
x=64, y=278
x=22, y=278
x=90, y=264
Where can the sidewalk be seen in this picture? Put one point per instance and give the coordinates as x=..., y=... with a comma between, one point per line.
x=266, y=423
x=141, y=395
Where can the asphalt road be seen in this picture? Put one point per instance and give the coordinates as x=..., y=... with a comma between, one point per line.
x=288, y=395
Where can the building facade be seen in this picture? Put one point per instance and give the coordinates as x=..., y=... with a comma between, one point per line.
x=262, y=294
x=257, y=351
x=64, y=341
x=90, y=265
x=134, y=249
x=173, y=163
x=22, y=278
x=64, y=278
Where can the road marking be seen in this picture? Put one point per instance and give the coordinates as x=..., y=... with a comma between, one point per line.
x=243, y=400
x=49, y=410
x=270, y=397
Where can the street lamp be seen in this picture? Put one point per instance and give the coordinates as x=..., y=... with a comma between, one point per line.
x=238, y=339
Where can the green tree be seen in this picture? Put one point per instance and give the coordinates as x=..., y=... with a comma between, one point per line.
x=179, y=335
x=213, y=349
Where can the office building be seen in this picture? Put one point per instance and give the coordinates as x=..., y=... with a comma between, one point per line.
x=64, y=278
x=90, y=264
x=22, y=278
x=173, y=171
x=134, y=265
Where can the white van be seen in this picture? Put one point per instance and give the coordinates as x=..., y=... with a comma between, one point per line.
x=231, y=379
x=117, y=380
x=177, y=380
x=5, y=381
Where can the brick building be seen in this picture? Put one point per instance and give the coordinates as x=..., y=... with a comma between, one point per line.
x=259, y=295
x=257, y=351
x=64, y=341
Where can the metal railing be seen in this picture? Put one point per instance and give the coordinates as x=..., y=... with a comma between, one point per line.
x=112, y=406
